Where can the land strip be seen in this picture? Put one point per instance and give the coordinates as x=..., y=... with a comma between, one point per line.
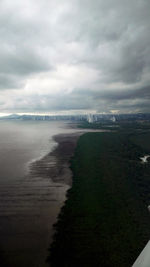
x=105, y=220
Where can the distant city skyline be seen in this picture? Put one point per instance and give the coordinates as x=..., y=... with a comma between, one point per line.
x=71, y=56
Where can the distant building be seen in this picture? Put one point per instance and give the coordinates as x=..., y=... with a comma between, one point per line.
x=90, y=118
x=113, y=119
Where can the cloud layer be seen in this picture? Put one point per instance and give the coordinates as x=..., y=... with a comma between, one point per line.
x=73, y=55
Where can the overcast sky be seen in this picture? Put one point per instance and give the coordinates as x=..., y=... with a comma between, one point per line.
x=74, y=56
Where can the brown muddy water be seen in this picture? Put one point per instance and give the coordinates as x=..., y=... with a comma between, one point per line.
x=30, y=199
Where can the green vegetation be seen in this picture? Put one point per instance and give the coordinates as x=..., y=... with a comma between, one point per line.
x=104, y=125
x=118, y=125
x=142, y=140
x=105, y=221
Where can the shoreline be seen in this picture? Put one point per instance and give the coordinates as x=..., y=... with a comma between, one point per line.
x=60, y=174
x=63, y=153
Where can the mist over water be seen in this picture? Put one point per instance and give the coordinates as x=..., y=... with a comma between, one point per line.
x=29, y=200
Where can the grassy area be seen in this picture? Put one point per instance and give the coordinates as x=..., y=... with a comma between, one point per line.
x=104, y=221
x=142, y=140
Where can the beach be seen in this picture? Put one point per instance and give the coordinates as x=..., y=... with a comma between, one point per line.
x=61, y=172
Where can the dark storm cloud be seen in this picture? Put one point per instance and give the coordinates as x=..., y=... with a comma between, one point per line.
x=63, y=55
x=117, y=32
x=138, y=93
x=21, y=62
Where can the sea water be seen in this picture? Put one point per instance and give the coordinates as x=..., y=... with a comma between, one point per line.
x=29, y=201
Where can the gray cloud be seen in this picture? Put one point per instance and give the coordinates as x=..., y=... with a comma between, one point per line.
x=22, y=62
x=9, y=82
x=74, y=55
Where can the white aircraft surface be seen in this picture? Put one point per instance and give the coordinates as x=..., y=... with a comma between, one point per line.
x=144, y=258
